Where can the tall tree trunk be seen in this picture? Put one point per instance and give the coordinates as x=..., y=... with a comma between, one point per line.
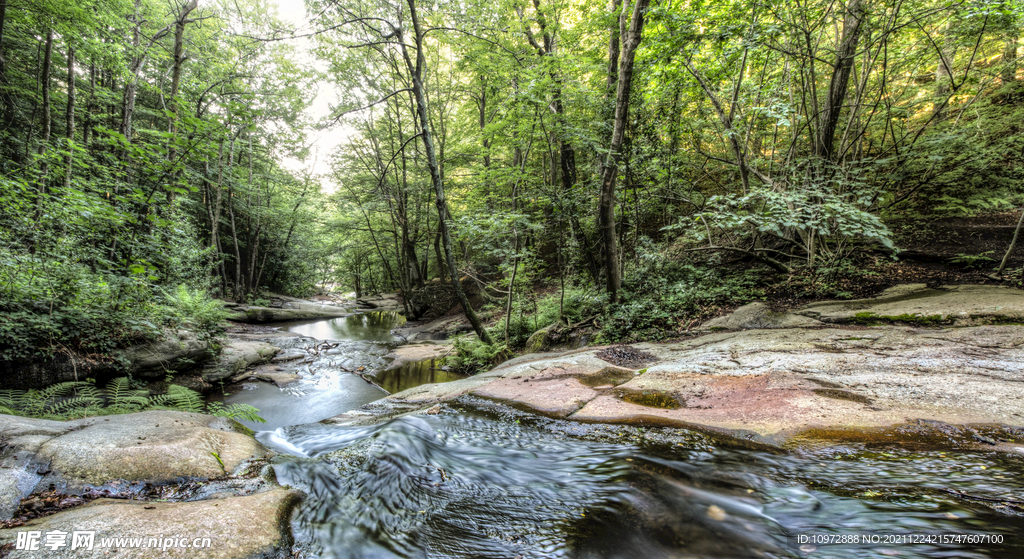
x=138, y=60
x=610, y=170
x=90, y=107
x=6, y=101
x=69, y=158
x=943, y=75
x=239, y=286
x=1009, y=72
x=47, y=119
x=416, y=73
x=841, y=69
x=179, y=60
x=131, y=83
x=613, y=50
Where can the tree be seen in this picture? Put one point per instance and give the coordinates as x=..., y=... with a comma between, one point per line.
x=631, y=40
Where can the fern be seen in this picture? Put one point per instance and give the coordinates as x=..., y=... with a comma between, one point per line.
x=73, y=400
x=235, y=411
x=185, y=399
x=123, y=399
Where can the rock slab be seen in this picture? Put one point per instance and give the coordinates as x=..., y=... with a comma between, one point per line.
x=236, y=527
x=147, y=447
x=960, y=305
x=771, y=385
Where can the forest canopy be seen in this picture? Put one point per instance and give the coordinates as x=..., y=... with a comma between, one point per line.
x=635, y=164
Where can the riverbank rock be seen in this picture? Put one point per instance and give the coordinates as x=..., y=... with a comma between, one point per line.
x=771, y=385
x=959, y=305
x=285, y=309
x=412, y=353
x=438, y=329
x=147, y=447
x=383, y=302
x=176, y=351
x=253, y=526
x=757, y=316
x=238, y=355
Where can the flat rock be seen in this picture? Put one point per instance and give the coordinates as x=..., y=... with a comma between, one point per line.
x=774, y=384
x=238, y=355
x=178, y=351
x=417, y=352
x=277, y=378
x=146, y=447
x=237, y=527
x=961, y=305
x=758, y=316
x=558, y=390
x=261, y=315
x=438, y=329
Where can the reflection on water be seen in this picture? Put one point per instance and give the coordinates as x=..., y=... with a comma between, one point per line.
x=369, y=326
x=329, y=394
x=411, y=374
x=476, y=485
x=326, y=388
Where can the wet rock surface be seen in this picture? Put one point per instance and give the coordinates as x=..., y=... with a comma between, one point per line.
x=238, y=355
x=154, y=447
x=774, y=386
x=236, y=527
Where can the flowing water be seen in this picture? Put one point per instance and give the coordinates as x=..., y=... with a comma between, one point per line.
x=480, y=480
x=330, y=353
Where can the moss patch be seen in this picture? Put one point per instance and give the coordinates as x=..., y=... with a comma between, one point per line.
x=870, y=318
x=651, y=399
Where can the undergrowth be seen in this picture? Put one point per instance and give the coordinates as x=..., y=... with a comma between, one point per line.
x=79, y=399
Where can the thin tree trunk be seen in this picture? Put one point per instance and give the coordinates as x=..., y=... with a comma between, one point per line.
x=841, y=69
x=90, y=107
x=606, y=210
x=1009, y=73
x=179, y=60
x=5, y=96
x=1013, y=243
x=943, y=75
x=239, y=288
x=47, y=119
x=416, y=73
x=69, y=158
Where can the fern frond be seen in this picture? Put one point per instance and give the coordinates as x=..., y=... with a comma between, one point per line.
x=237, y=411
x=185, y=399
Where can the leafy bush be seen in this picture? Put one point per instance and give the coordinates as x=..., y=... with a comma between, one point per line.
x=78, y=399
x=195, y=310
x=473, y=356
x=663, y=297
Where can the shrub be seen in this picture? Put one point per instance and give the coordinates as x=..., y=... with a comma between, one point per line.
x=473, y=356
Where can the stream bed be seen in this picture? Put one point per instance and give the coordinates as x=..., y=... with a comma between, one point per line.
x=482, y=480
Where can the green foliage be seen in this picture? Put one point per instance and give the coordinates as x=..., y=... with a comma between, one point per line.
x=473, y=356
x=833, y=210
x=235, y=411
x=78, y=399
x=195, y=310
x=973, y=260
x=664, y=296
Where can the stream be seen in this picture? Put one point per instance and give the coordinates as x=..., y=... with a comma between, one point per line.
x=482, y=480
